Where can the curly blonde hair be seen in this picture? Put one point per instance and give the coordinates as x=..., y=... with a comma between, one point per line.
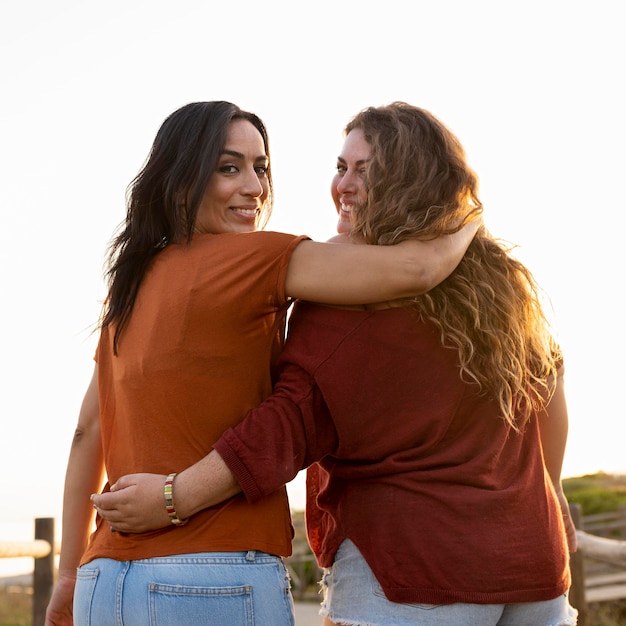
x=489, y=309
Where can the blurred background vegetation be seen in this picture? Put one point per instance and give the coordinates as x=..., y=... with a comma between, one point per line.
x=596, y=493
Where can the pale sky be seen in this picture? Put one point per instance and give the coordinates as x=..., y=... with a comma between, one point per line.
x=534, y=90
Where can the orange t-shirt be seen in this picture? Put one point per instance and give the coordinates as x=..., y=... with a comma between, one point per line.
x=198, y=353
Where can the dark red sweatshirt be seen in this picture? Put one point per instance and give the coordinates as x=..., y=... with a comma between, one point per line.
x=444, y=500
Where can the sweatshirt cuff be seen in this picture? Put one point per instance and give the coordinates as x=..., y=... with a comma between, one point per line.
x=226, y=446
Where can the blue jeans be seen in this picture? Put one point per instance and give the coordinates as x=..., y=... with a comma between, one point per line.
x=352, y=595
x=216, y=588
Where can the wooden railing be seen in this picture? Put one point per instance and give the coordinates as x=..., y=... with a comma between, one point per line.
x=42, y=549
x=598, y=568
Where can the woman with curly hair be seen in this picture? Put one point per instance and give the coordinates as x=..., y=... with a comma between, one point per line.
x=433, y=428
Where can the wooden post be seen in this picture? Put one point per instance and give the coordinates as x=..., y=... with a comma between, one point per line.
x=43, y=576
x=577, y=595
x=621, y=516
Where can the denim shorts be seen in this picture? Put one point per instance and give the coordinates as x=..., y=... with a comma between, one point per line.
x=216, y=588
x=352, y=595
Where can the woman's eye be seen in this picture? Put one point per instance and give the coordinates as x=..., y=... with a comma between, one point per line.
x=228, y=168
x=261, y=170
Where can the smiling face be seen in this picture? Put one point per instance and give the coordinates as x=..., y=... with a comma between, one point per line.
x=239, y=186
x=348, y=184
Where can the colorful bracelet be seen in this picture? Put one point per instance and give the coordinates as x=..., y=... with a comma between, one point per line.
x=168, y=494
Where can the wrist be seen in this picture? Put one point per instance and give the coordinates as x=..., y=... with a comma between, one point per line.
x=168, y=497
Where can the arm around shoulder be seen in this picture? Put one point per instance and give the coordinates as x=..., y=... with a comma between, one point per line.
x=335, y=273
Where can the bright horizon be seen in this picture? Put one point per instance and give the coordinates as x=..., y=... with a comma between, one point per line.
x=531, y=89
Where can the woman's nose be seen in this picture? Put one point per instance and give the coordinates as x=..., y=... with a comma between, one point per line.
x=346, y=184
x=252, y=185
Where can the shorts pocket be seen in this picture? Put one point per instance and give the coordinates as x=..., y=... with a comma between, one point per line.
x=86, y=579
x=180, y=605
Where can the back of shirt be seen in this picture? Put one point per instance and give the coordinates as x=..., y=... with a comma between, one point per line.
x=446, y=502
x=197, y=354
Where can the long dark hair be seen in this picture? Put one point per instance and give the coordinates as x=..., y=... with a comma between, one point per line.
x=163, y=199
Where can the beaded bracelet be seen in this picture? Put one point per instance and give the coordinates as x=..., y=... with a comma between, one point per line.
x=168, y=494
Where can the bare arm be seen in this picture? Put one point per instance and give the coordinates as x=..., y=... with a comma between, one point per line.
x=135, y=503
x=84, y=475
x=348, y=274
x=554, y=426
x=289, y=431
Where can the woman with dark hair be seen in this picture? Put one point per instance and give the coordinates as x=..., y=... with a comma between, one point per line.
x=434, y=427
x=189, y=337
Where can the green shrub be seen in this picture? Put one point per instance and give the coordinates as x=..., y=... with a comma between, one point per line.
x=597, y=500
x=596, y=493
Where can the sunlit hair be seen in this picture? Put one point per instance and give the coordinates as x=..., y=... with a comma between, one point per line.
x=419, y=185
x=164, y=198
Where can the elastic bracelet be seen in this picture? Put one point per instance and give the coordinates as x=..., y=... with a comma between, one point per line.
x=168, y=494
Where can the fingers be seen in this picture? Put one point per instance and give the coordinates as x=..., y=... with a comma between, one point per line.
x=572, y=537
x=120, y=493
x=108, y=501
x=117, y=520
x=111, y=515
x=124, y=482
x=134, y=504
x=113, y=508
